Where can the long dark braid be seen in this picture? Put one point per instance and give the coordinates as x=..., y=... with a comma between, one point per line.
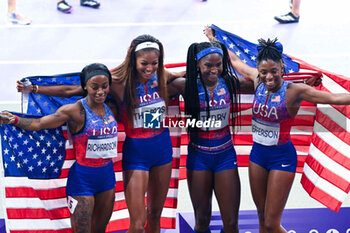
x=192, y=106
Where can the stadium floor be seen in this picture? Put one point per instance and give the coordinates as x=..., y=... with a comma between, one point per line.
x=58, y=43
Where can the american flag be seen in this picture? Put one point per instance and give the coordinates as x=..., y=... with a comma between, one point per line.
x=320, y=133
x=36, y=155
x=39, y=205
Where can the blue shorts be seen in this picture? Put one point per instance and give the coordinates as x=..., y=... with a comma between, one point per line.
x=144, y=153
x=87, y=181
x=215, y=161
x=281, y=157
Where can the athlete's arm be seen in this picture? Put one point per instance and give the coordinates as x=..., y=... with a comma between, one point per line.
x=59, y=90
x=170, y=75
x=305, y=92
x=62, y=115
x=176, y=87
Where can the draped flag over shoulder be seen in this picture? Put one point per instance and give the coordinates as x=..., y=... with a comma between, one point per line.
x=320, y=133
x=39, y=205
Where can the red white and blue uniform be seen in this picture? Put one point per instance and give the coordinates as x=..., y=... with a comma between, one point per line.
x=213, y=149
x=146, y=147
x=95, y=145
x=271, y=125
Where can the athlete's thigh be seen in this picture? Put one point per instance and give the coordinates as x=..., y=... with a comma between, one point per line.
x=158, y=185
x=81, y=208
x=103, y=209
x=278, y=188
x=258, y=177
x=228, y=193
x=200, y=186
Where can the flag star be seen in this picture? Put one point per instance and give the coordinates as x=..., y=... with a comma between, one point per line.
x=43, y=151
x=244, y=61
x=38, y=110
x=224, y=37
x=12, y=158
x=37, y=143
x=48, y=144
x=30, y=149
x=15, y=146
x=39, y=163
x=52, y=164
x=20, y=154
x=54, y=138
x=5, y=164
x=30, y=137
x=48, y=157
x=6, y=151
x=60, y=157
x=38, y=97
x=18, y=165
x=291, y=71
x=45, y=104
x=30, y=168
x=10, y=139
x=60, y=143
x=231, y=46
x=35, y=156
x=238, y=53
x=57, y=131
x=32, y=103
x=54, y=79
x=46, y=131
x=42, y=137
x=20, y=134
x=25, y=142
x=39, y=79
x=14, y=128
x=54, y=150
x=6, y=131
x=253, y=58
x=56, y=170
x=44, y=170
x=25, y=161
x=5, y=137
x=246, y=50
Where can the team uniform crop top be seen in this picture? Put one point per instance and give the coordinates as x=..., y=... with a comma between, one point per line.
x=149, y=101
x=215, y=137
x=271, y=121
x=96, y=143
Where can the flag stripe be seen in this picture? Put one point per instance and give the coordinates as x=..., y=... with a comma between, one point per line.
x=328, y=169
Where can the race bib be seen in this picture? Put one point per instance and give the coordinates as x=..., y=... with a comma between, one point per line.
x=219, y=118
x=102, y=146
x=152, y=108
x=265, y=133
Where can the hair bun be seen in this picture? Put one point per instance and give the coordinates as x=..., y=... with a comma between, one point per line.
x=270, y=43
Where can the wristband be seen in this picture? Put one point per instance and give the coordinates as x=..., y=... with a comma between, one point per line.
x=16, y=120
x=35, y=89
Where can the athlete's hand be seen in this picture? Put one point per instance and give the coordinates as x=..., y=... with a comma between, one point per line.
x=24, y=89
x=209, y=32
x=6, y=118
x=314, y=81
